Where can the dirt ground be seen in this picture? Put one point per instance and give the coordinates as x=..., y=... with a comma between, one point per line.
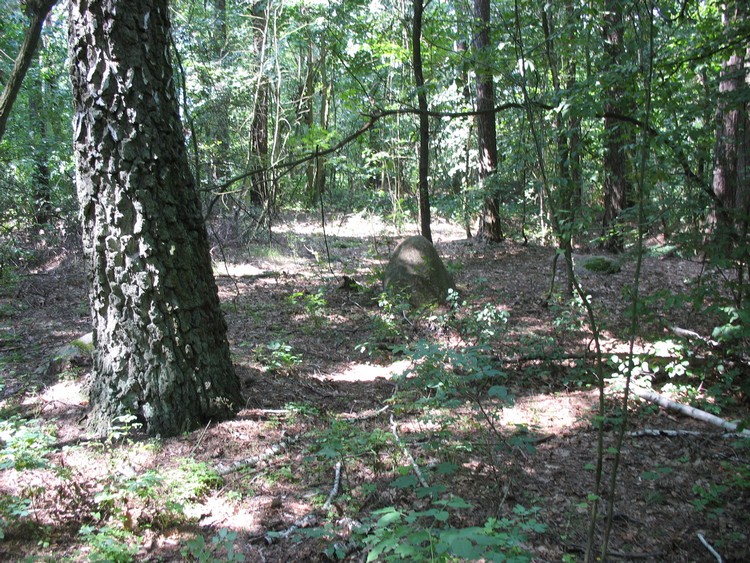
x=315, y=368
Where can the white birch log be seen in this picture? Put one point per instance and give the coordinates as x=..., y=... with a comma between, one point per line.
x=689, y=411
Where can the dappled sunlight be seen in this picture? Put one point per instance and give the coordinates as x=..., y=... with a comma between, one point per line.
x=551, y=413
x=354, y=372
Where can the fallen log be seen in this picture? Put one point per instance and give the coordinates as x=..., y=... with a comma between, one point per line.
x=689, y=411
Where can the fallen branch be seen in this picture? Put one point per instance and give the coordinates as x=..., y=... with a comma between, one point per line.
x=311, y=516
x=254, y=460
x=407, y=453
x=691, y=335
x=689, y=411
x=657, y=432
x=336, y=484
x=710, y=548
x=364, y=416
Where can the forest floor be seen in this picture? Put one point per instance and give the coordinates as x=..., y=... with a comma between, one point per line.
x=332, y=432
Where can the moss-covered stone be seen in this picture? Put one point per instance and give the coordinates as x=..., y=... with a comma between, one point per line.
x=415, y=269
x=601, y=265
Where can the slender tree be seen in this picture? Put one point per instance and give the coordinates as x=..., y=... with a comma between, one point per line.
x=425, y=219
x=258, y=150
x=617, y=133
x=732, y=153
x=38, y=95
x=490, y=226
x=161, y=351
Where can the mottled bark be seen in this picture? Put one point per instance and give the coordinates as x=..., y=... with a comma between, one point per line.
x=490, y=226
x=161, y=351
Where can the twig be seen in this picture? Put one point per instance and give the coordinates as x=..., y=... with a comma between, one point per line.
x=710, y=548
x=310, y=517
x=200, y=439
x=408, y=455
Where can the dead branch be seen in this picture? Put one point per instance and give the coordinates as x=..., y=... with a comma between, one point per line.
x=336, y=484
x=311, y=516
x=689, y=411
x=691, y=335
x=254, y=460
x=657, y=432
x=710, y=548
x=407, y=453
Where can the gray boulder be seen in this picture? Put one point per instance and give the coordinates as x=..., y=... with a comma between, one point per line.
x=416, y=270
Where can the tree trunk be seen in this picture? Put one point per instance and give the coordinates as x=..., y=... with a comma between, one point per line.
x=161, y=350
x=425, y=219
x=42, y=184
x=617, y=134
x=259, y=187
x=732, y=154
x=38, y=10
x=218, y=118
x=490, y=226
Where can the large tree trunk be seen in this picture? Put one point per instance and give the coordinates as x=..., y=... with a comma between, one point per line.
x=161, y=351
x=490, y=226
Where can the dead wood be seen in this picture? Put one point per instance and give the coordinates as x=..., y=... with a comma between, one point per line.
x=689, y=411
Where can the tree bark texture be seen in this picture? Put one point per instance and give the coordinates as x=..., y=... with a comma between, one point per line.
x=161, y=351
x=38, y=10
x=490, y=226
x=732, y=153
x=258, y=151
x=617, y=134
x=425, y=213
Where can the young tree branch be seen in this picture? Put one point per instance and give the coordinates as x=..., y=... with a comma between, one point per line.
x=38, y=10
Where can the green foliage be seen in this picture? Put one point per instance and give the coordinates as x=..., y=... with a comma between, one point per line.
x=735, y=332
x=109, y=544
x=277, y=357
x=387, y=323
x=732, y=483
x=191, y=481
x=391, y=534
x=222, y=548
x=570, y=315
x=314, y=305
x=342, y=439
x=450, y=376
x=26, y=443
x=13, y=509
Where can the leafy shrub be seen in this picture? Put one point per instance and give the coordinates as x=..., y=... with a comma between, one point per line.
x=26, y=443
x=427, y=535
x=277, y=357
